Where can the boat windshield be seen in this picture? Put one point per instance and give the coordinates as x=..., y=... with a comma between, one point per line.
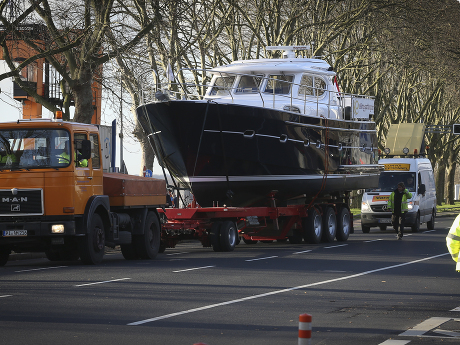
x=279, y=84
x=222, y=86
x=249, y=84
x=388, y=181
x=33, y=148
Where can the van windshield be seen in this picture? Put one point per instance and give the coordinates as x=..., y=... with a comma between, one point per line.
x=388, y=181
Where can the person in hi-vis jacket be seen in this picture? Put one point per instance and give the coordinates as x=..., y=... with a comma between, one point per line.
x=397, y=203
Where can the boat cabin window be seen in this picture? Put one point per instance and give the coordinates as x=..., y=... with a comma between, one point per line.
x=279, y=84
x=249, y=84
x=222, y=86
x=312, y=86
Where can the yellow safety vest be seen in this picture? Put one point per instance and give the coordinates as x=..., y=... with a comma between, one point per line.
x=453, y=241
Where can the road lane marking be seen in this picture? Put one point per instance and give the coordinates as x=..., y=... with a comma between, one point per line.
x=424, y=232
x=40, y=269
x=239, y=300
x=304, y=251
x=425, y=326
x=106, y=281
x=340, y=245
x=192, y=269
x=177, y=253
x=379, y=239
x=268, y=257
x=6, y=296
x=395, y=342
x=456, y=309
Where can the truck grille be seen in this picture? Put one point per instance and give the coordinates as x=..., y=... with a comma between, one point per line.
x=22, y=202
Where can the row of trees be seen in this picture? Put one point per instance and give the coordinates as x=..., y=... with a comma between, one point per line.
x=402, y=52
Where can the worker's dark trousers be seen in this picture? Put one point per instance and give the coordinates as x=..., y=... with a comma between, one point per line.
x=398, y=223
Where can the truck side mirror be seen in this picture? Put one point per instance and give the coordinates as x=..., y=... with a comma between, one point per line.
x=84, y=148
x=421, y=189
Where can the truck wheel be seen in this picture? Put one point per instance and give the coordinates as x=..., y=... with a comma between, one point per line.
x=228, y=235
x=4, y=255
x=147, y=245
x=416, y=226
x=343, y=225
x=214, y=236
x=430, y=223
x=365, y=229
x=330, y=225
x=128, y=252
x=91, y=247
x=312, y=227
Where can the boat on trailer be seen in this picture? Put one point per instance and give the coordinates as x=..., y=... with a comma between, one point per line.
x=262, y=128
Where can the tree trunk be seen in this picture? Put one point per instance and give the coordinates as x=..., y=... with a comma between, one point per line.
x=451, y=181
x=440, y=183
x=83, y=96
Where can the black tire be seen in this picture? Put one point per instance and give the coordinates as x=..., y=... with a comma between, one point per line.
x=214, y=236
x=383, y=227
x=147, y=245
x=228, y=235
x=365, y=229
x=162, y=247
x=312, y=227
x=249, y=241
x=343, y=225
x=329, y=225
x=296, y=237
x=430, y=224
x=129, y=252
x=416, y=226
x=91, y=247
x=4, y=255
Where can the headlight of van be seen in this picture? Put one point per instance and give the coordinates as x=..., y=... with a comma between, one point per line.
x=365, y=207
x=410, y=205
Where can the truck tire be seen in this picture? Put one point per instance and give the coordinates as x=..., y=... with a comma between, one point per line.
x=365, y=229
x=228, y=235
x=312, y=227
x=416, y=226
x=4, y=255
x=214, y=235
x=430, y=223
x=129, y=252
x=329, y=225
x=91, y=247
x=343, y=225
x=147, y=245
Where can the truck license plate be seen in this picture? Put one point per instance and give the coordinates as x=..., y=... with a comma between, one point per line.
x=385, y=220
x=14, y=233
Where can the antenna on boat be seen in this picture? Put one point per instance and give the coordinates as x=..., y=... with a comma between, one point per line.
x=289, y=51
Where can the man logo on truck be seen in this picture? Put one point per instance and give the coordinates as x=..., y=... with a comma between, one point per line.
x=21, y=199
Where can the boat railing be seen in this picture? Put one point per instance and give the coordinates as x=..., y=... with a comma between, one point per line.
x=348, y=105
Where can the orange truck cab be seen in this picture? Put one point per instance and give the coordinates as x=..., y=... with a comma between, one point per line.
x=56, y=197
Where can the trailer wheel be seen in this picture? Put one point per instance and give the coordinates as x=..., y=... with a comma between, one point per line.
x=4, y=255
x=228, y=235
x=128, y=251
x=91, y=247
x=147, y=245
x=214, y=236
x=343, y=225
x=330, y=225
x=312, y=227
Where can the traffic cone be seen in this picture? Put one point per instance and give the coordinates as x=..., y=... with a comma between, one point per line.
x=304, y=329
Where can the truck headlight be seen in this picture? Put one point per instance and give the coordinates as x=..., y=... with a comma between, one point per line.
x=365, y=207
x=57, y=228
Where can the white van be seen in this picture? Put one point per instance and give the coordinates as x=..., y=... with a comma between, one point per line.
x=417, y=175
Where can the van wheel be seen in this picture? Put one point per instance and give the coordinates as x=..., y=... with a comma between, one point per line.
x=416, y=226
x=365, y=229
x=330, y=225
x=147, y=245
x=91, y=247
x=312, y=227
x=343, y=225
x=430, y=223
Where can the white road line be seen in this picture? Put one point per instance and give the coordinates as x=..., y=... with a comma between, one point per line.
x=40, y=269
x=177, y=253
x=340, y=245
x=268, y=257
x=192, y=269
x=304, y=251
x=106, y=281
x=456, y=309
x=425, y=326
x=424, y=232
x=167, y=316
x=379, y=239
x=6, y=296
x=395, y=342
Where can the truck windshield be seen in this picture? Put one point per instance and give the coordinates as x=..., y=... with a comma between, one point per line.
x=388, y=181
x=34, y=148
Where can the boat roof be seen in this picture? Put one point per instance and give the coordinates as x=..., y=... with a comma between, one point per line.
x=290, y=65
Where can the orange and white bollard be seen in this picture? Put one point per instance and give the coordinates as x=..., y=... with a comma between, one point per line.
x=304, y=329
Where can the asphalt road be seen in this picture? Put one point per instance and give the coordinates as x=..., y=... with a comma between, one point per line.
x=372, y=289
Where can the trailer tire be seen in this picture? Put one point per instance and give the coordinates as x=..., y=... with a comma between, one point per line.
x=330, y=225
x=312, y=227
x=128, y=251
x=147, y=245
x=343, y=225
x=91, y=247
x=4, y=255
x=228, y=235
x=214, y=235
